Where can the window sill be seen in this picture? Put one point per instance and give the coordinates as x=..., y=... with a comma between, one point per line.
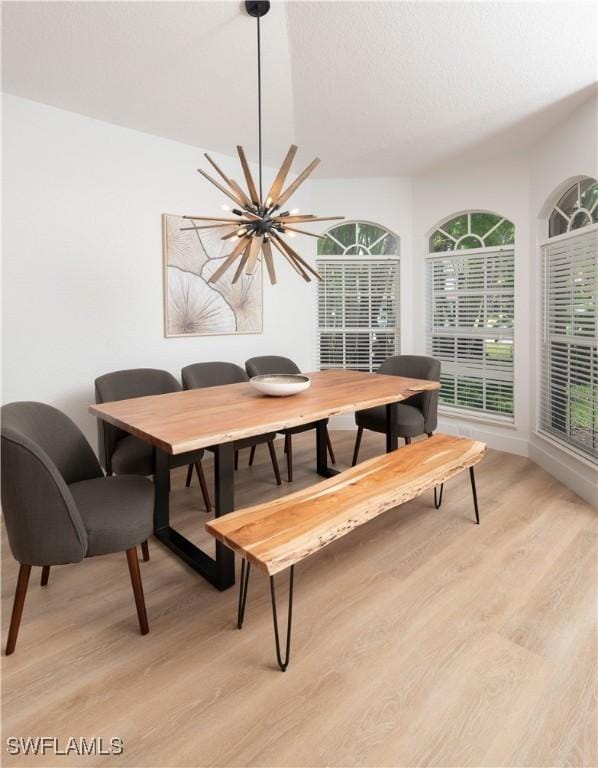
x=554, y=442
x=494, y=421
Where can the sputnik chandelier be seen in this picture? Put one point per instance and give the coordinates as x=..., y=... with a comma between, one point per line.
x=260, y=222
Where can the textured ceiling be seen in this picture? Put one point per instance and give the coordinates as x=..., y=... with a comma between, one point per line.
x=374, y=88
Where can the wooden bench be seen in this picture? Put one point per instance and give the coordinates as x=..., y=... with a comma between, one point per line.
x=278, y=535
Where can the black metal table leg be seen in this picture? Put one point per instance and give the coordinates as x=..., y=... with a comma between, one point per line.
x=283, y=663
x=392, y=436
x=322, y=451
x=219, y=571
x=475, y=495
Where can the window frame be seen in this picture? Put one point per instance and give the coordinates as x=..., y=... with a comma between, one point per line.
x=459, y=411
x=541, y=320
x=342, y=258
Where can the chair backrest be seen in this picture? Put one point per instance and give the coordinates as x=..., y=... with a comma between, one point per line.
x=43, y=451
x=417, y=367
x=201, y=375
x=122, y=385
x=258, y=366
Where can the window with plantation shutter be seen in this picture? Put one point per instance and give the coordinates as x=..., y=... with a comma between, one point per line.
x=568, y=408
x=358, y=297
x=470, y=312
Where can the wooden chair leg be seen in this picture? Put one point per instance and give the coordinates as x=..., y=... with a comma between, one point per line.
x=407, y=441
x=17, y=608
x=189, y=475
x=137, y=589
x=251, y=455
x=329, y=446
x=145, y=551
x=288, y=439
x=236, y=459
x=357, y=445
x=274, y=461
x=45, y=575
x=429, y=434
x=203, y=485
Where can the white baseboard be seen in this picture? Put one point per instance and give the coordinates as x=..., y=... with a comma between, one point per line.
x=582, y=479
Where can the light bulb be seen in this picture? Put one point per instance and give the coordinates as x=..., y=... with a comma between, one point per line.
x=241, y=232
x=294, y=211
x=291, y=234
x=225, y=207
x=268, y=202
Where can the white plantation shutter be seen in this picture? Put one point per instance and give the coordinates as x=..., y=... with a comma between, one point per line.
x=358, y=312
x=470, y=319
x=569, y=346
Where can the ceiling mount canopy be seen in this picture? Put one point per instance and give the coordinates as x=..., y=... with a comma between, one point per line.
x=260, y=221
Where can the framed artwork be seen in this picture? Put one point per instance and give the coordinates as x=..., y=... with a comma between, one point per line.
x=192, y=305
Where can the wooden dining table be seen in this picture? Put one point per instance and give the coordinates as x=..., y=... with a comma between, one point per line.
x=215, y=417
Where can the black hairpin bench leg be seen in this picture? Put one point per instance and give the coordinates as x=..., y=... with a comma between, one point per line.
x=283, y=664
x=475, y=495
x=243, y=587
x=438, y=499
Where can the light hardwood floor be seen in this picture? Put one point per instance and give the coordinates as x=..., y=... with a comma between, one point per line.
x=419, y=639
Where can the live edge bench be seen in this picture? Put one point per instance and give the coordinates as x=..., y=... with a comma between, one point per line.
x=278, y=535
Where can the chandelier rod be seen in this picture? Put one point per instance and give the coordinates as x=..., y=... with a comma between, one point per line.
x=259, y=105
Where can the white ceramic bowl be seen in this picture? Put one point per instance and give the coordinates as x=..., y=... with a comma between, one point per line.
x=280, y=384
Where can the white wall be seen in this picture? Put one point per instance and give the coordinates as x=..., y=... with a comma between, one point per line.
x=82, y=266
x=569, y=151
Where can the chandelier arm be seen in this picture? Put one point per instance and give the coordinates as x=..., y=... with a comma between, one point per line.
x=292, y=262
x=294, y=255
x=254, y=252
x=234, y=254
x=302, y=232
x=300, y=220
x=207, y=226
x=219, y=186
x=242, y=263
x=298, y=182
x=248, y=177
x=267, y=251
x=231, y=182
x=215, y=218
x=281, y=176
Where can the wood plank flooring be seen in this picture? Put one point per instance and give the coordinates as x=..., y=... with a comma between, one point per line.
x=419, y=639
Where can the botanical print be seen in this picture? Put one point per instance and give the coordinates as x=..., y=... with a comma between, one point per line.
x=192, y=305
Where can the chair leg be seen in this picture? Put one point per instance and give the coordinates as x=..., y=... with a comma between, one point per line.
x=429, y=434
x=283, y=663
x=189, y=475
x=45, y=575
x=17, y=608
x=329, y=446
x=137, y=589
x=475, y=495
x=203, y=485
x=145, y=551
x=288, y=440
x=274, y=461
x=243, y=588
x=407, y=441
x=357, y=445
x=236, y=459
x=251, y=455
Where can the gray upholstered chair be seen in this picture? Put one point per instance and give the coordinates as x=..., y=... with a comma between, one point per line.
x=417, y=415
x=124, y=454
x=215, y=374
x=59, y=507
x=257, y=366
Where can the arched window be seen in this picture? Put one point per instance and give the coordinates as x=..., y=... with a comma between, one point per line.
x=471, y=311
x=576, y=209
x=568, y=407
x=358, y=297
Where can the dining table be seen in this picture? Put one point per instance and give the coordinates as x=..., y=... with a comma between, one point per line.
x=214, y=417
